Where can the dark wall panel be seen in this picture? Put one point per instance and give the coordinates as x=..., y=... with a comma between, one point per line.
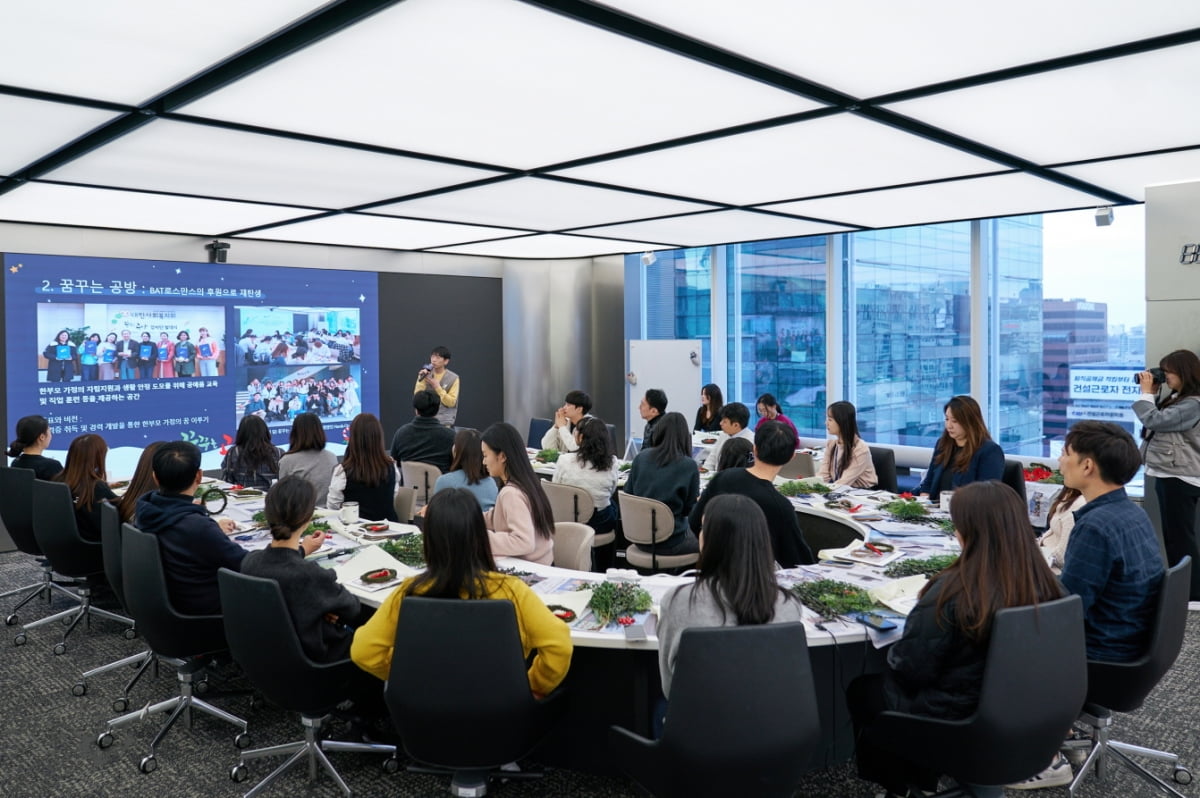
x=420, y=311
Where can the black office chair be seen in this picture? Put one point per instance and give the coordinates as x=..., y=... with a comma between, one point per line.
x=1014, y=477
x=743, y=717
x=16, y=510
x=884, y=460
x=183, y=639
x=58, y=536
x=1034, y=683
x=537, y=429
x=1123, y=687
x=262, y=638
x=110, y=541
x=822, y=530
x=458, y=691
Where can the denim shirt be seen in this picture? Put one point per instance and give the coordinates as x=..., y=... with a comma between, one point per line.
x=1114, y=565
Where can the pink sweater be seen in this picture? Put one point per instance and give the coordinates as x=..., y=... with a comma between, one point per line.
x=859, y=474
x=511, y=531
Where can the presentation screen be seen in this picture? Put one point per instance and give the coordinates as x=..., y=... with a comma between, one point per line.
x=139, y=351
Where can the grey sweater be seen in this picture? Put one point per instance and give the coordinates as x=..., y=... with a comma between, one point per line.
x=679, y=612
x=315, y=465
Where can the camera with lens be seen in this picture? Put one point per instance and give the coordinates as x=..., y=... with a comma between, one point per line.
x=1158, y=374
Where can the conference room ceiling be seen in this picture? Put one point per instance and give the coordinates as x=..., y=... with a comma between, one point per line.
x=563, y=128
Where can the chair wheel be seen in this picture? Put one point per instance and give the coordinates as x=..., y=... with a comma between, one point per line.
x=79, y=688
x=66, y=621
x=1182, y=775
x=391, y=765
x=120, y=704
x=60, y=648
x=200, y=687
x=239, y=773
x=104, y=740
x=149, y=764
x=129, y=633
x=12, y=620
x=242, y=740
x=19, y=640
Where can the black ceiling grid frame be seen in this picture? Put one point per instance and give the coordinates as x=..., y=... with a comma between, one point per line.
x=294, y=37
x=697, y=50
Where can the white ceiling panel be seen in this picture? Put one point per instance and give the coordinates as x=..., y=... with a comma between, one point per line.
x=866, y=48
x=715, y=228
x=33, y=128
x=493, y=81
x=537, y=204
x=197, y=159
x=550, y=246
x=1130, y=176
x=92, y=207
x=1114, y=107
x=128, y=51
x=378, y=231
x=821, y=156
x=974, y=198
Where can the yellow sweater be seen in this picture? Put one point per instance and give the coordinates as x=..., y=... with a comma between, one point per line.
x=539, y=629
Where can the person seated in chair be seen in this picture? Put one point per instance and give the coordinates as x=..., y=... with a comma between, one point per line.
x=774, y=445
x=424, y=439
x=459, y=565
x=735, y=417
x=193, y=546
x=936, y=669
x=576, y=406
x=651, y=409
x=1112, y=560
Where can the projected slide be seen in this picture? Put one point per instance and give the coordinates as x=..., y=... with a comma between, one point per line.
x=139, y=351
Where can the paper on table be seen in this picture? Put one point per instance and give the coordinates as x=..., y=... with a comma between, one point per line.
x=576, y=600
x=899, y=594
x=901, y=528
x=370, y=558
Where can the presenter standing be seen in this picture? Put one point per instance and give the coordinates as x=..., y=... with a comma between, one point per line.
x=443, y=382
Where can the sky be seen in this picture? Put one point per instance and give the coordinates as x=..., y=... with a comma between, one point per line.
x=1099, y=264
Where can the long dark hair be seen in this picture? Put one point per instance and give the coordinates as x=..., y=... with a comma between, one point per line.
x=308, y=434
x=504, y=439
x=468, y=456
x=968, y=415
x=846, y=418
x=254, y=444
x=84, y=468
x=458, y=556
x=29, y=429
x=674, y=439
x=366, y=459
x=140, y=484
x=736, y=453
x=716, y=400
x=595, y=445
x=1184, y=363
x=1000, y=565
x=289, y=506
x=736, y=562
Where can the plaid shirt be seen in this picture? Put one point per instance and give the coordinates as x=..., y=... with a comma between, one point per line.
x=1113, y=564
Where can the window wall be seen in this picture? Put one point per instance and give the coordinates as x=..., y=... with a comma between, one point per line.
x=898, y=321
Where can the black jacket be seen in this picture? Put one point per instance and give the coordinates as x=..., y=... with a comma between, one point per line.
x=787, y=543
x=934, y=669
x=424, y=440
x=193, y=549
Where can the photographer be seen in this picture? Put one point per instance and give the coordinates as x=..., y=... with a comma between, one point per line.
x=1171, y=450
x=434, y=376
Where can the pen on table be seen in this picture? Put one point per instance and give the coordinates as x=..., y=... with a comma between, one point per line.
x=335, y=553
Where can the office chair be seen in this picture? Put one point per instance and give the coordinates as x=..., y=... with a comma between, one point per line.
x=1034, y=683
x=110, y=540
x=16, y=510
x=459, y=693
x=182, y=639
x=801, y=466
x=263, y=639
x=573, y=546
x=570, y=503
x=646, y=523
x=743, y=717
x=421, y=477
x=1123, y=687
x=537, y=430
x=884, y=460
x=1014, y=477
x=58, y=536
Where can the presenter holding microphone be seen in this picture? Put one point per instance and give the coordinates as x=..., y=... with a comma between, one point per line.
x=435, y=377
